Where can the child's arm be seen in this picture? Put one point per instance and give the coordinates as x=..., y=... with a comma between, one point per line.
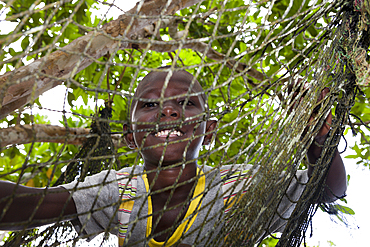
x=336, y=180
x=22, y=207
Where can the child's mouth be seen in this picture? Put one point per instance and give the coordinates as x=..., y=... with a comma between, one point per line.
x=169, y=133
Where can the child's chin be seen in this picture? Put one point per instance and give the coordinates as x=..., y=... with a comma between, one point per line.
x=172, y=154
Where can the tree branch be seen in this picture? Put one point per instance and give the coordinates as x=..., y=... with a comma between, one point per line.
x=360, y=124
x=22, y=134
x=23, y=85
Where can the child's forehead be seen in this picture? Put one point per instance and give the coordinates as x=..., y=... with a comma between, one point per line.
x=154, y=82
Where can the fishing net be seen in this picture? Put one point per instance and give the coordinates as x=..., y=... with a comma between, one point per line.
x=262, y=66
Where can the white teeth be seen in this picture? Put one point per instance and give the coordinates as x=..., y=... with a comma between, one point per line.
x=165, y=133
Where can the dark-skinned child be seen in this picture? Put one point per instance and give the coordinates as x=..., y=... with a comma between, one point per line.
x=168, y=128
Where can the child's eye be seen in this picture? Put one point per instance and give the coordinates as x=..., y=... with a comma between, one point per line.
x=188, y=103
x=150, y=104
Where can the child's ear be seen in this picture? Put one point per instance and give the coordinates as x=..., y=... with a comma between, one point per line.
x=129, y=137
x=210, y=127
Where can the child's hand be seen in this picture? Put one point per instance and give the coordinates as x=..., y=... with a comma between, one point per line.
x=305, y=87
x=315, y=149
x=326, y=126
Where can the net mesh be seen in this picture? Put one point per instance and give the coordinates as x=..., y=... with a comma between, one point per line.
x=254, y=59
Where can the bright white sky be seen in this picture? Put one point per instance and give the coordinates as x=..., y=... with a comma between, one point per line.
x=324, y=230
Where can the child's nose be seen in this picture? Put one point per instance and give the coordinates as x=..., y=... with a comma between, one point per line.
x=170, y=111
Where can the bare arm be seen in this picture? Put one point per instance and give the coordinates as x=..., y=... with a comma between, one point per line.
x=55, y=202
x=336, y=180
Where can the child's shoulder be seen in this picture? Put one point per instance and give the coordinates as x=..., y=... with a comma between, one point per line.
x=237, y=167
x=131, y=171
x=228, y=170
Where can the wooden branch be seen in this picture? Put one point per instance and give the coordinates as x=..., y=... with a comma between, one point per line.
x=363, y=136
x=23, y=85
x=22, y=134
x=360, y=124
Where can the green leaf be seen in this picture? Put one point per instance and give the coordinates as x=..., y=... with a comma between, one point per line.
x=344, y=209
x=25, y=43
x=351, y=156
x=70, y=98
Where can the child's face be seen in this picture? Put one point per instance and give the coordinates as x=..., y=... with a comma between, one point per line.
x=168, y=119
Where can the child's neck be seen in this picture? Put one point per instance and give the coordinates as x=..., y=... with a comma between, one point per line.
x=177, y=202
x=169, y=176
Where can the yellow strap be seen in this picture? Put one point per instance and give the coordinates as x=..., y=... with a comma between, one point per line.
x=195, y=204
